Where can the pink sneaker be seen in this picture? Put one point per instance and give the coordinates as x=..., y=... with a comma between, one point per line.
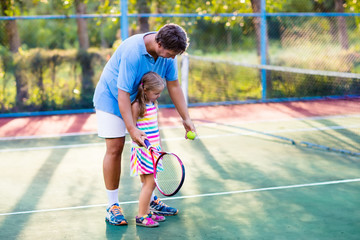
x=157, y=218
x=146, y=221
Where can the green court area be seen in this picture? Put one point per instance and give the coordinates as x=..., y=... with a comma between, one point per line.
x=244, y=180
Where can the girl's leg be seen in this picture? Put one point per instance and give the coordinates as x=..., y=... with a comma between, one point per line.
x=152, y=198
x=145, y=194
x=158, y=206
x=144, y=217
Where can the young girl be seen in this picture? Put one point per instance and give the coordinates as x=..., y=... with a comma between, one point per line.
x=144, y=113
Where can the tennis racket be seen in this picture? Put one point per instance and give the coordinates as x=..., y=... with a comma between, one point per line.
x=169, y=171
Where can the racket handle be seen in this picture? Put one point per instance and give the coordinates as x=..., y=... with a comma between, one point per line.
x=147, y=143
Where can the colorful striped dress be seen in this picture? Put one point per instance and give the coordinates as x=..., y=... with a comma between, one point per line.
x=141, y=161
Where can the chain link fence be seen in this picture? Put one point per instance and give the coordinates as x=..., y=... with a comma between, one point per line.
x=52, y=70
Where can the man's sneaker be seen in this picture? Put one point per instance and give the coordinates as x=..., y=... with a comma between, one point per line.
x=160, y=208
x=146, y=221
x=114, y=215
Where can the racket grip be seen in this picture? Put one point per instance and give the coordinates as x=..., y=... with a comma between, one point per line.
x=147, y=143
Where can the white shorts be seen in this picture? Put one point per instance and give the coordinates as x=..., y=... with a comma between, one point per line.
x=110, y=125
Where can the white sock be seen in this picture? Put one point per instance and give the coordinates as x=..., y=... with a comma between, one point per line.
x=113, y=196
x=152, y=195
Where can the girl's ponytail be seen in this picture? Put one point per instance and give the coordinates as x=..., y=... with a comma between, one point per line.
x=140, y=97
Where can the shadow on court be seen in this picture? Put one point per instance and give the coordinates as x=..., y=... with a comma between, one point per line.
x=13, y=225
x=237, y=186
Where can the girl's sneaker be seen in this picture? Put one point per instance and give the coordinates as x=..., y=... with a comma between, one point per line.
x=157, y=218
x=161, y=208
x=146, y=221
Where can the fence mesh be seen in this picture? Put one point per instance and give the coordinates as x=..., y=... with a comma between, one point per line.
x=314, y=43
x=49, y=72
x=227, y=80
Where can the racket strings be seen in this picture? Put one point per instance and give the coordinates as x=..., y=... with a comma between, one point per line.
x=169, y=174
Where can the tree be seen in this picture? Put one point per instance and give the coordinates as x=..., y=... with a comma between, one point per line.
x=8, y=8
x=13, y=38
x=338, y=27
x=341, y=24
x=143, y=7
x=103, y=8
x=256, y=6
x=82, y=25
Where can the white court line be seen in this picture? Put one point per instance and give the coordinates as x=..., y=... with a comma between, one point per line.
x=52, y=147
x=47, y=136
x=315, y=129
x=175, y=127
x=286, y=119
x=181, y=138
x=196, y=196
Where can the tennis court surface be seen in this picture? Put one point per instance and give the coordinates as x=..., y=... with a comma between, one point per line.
x=257, y=171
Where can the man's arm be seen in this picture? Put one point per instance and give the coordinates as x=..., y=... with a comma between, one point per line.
x=124, y=103
x=178, y=99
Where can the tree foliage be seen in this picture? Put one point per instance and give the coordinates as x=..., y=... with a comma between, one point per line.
x=51, y=72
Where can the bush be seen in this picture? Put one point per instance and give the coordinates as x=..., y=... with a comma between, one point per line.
x=50, y=79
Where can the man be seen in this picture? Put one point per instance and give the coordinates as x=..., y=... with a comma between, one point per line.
x=117, y=88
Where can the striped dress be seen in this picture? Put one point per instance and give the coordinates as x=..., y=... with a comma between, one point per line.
x=141, y=161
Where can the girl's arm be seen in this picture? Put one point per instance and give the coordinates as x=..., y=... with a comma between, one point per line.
x=159, y=126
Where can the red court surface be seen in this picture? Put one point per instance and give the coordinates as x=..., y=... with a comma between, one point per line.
x=86, y=123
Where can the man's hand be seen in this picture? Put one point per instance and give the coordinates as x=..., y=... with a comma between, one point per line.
x=138, y=136
x=189, y=126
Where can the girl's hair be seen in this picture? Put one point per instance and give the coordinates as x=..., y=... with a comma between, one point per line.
x=151, y=81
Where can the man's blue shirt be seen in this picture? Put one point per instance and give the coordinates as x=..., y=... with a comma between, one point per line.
x=124, y=71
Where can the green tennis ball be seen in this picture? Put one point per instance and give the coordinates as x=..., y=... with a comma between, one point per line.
x=191, y=135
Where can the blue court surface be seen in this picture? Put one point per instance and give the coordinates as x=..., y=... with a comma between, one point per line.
x=244, y=180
